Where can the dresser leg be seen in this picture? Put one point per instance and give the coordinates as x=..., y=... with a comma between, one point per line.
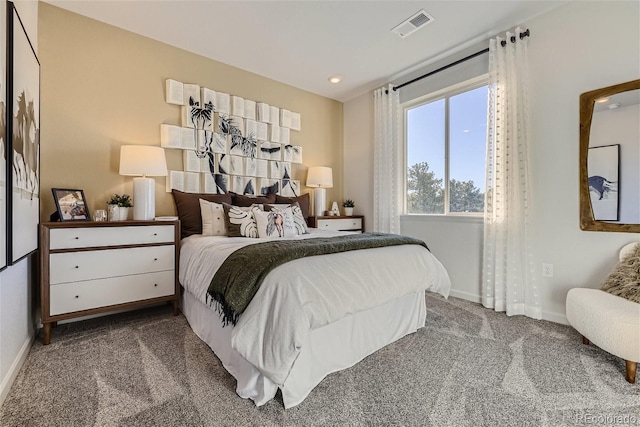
x=176, y=307
x=46, y=339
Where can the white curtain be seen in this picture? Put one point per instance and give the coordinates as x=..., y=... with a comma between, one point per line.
x=387, y=161
x=508, y=266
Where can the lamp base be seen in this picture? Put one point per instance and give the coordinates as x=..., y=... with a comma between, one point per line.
x=319, y=201
x=144, y=198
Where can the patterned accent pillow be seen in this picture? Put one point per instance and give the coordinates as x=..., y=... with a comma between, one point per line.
x=213, y=223
x=239, y=221
x=274, y=223
x=624, y=281
x=298, y=217
x=303, y=200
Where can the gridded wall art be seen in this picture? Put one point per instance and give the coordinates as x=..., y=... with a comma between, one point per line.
x=230, y=143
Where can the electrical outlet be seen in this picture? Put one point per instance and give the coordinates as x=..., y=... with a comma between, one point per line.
x=547, y=270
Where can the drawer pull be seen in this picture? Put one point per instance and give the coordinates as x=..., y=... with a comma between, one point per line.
x=155, y=285
x=155, y=234
x=155, y=259
x=77, y=238
x=77, y=296
x=77, y=266
x=326, y=225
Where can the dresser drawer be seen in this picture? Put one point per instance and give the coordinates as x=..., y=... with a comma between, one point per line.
x=67, y=238
x=78, y=296
x=340, y=224
x=78, y=266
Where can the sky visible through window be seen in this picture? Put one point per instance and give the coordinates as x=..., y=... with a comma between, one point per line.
x=467, y=136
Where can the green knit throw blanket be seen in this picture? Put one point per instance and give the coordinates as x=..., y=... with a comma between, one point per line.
x=241, y=274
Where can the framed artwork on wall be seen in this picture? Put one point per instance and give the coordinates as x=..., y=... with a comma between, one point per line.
x=23, y=137
x=3, y=140
x=603, y=181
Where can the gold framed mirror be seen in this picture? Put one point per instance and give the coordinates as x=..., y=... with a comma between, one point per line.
x=610, y=176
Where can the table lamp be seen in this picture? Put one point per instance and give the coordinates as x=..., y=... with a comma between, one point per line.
x=319, y=177
x=142, y=161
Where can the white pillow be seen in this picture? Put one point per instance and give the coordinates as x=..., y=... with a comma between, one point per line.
x=212, y=219
x=276, y=223
x=298, y=217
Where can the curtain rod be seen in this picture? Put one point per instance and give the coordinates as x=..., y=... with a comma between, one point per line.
x=459, y=61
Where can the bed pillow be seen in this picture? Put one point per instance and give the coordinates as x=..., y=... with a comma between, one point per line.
x=213, y=223
x=188, y=207
x=239, y=221
x=274, y=223
x=246, y=201
x=298, y=218
x=625, y=279
x=302, y=200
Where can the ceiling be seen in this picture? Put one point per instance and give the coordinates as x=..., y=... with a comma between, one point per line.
x=302, y=43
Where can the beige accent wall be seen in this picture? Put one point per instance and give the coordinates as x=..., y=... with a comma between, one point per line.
x=103, y=87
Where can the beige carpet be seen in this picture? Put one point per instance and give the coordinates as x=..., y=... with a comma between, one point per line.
x=469, y=367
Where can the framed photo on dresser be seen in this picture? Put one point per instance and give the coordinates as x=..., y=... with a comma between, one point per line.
x=23, y=140
x=71, y=204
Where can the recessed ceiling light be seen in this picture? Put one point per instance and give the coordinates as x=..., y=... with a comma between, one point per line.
x=335, y=79
x=602, y=100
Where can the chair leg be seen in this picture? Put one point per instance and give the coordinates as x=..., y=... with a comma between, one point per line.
x=585, y=340
x=631, y=371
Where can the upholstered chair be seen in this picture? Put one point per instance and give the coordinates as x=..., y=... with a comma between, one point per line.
x=608, y=321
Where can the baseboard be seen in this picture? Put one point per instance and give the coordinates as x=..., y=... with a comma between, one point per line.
x=546, y=315
x=555, y=317
x=465, y=296
x=7, y=382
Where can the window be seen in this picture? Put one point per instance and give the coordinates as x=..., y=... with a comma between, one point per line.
x=446, y=138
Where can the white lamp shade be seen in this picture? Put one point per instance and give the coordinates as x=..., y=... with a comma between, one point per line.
x=142, y=160
x=320, y=177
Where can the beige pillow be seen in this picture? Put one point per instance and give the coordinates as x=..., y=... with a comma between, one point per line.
x=212, y=219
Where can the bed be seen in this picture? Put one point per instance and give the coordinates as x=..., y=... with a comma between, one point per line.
x=311, y=316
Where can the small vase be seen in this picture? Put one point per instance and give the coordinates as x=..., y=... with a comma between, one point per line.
x=113, y=213
x=348, y=211
x=123, y=213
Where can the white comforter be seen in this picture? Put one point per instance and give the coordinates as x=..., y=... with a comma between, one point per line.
x=308, y=293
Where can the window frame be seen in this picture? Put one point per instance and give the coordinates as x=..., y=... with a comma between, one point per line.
x=446, y=94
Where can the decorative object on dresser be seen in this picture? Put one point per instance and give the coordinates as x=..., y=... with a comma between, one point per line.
x=96, y=267
x=142, y=161
x=119, y=207
x=22, y=142
x=71, y=204
x=348, y=205
x=319, y=178
x=338, y=223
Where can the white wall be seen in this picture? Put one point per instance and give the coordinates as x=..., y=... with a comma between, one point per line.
x=578, y=47
x=18, y=282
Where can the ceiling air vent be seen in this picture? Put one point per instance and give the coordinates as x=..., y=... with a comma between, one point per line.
x=415, y=22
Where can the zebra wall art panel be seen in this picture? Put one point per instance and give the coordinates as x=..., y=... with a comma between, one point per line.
x=3, y=140
x=23, y=136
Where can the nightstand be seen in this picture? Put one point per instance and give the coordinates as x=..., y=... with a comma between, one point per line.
x=95, y=267
x=338, y=223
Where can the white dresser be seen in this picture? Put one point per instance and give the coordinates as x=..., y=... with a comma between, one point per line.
x=338, y=223
x=94, y=267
